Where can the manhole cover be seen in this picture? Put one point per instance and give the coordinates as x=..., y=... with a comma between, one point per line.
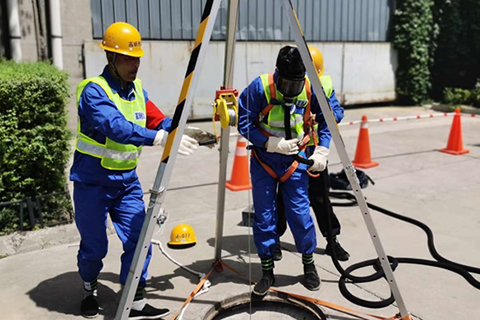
x=273, y=306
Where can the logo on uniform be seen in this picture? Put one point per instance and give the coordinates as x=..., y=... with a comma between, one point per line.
x=140, y=116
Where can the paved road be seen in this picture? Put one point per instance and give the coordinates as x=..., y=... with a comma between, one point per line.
x=413, y=179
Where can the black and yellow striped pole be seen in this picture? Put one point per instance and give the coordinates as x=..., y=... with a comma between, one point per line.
x=193, y=64
x=165, y=169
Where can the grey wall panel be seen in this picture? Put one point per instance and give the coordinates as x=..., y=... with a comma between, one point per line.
x=155, y=27
x=176, y=19
x=119, y=10
x=259, y=20
x=187, y=23
x=269, y=16
x=131, y=12
x=252, y=20
x=242, y=21
x=143, y=20
x=165, y=17
x=107, y=13
x=97, y=26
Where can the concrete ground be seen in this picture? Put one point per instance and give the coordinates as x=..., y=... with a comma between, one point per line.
x=413, y=179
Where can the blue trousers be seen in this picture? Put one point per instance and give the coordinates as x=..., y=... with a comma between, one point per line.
x=127, y=210
x=297, y=208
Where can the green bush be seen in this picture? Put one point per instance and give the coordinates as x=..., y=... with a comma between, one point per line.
x=34, y=146
x=457, y=63
x=456, y=96
x=414, y=35
x=476, y=96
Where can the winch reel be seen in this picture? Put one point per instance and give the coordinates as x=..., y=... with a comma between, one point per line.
x=225, y=107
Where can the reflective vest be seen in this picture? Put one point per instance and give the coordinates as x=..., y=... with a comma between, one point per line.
x=327, y=85
x=272, y=121
x=113, y=155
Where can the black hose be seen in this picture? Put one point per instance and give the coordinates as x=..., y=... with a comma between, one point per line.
x=303, y=160
x=441, y=262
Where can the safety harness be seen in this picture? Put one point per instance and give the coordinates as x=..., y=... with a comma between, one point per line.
x=308, y=128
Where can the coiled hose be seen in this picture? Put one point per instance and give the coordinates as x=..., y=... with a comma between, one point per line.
x=440, y=262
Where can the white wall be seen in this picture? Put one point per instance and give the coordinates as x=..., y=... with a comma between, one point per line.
x=361, y=72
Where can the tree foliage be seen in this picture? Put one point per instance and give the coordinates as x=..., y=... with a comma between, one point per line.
x=414, y=33
x=438, y=45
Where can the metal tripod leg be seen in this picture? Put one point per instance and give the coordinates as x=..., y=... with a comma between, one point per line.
x=347, y=165
x=165, y=169
x=225, y=135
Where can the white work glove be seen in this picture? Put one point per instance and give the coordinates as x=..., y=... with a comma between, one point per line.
x=187, y=144
x=319, y=158
x=280, y=145
x=160, y=138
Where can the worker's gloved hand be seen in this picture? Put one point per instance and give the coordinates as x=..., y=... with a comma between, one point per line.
x=160, y=138
x=280, y=145
x=187, y=145
x=319, y=158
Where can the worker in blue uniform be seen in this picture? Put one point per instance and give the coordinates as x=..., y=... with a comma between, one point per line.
x=275, y=116
x=318, y=190
x=115, y=119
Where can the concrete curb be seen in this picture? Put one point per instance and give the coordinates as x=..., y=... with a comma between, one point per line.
x=451, y=108
x=26, y=241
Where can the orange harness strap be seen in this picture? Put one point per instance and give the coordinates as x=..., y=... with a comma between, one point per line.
x=273, y=95
x=290, y=170
x=307, y=127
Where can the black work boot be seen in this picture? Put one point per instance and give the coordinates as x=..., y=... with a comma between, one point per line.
x=277, y=253
x=264, y=284
x=89, y=307
x=312, y=280
x=148, y=312
x=340, y=253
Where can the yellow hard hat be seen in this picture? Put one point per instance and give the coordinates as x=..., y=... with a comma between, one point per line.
x=317, y=59
x=123, y=38
x=182, y=234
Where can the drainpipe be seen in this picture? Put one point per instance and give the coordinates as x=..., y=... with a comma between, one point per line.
x=14, y=30
x=56, y=34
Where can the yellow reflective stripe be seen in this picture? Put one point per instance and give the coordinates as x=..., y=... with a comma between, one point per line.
x=102, y=152
x=278, y=132
x=293, y=122
x=266, y=87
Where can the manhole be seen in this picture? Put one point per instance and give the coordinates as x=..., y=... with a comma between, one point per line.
x=274, y=305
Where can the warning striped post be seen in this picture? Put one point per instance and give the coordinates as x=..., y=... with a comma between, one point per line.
x=192, y=65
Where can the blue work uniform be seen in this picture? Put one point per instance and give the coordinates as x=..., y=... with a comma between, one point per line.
x=294, y=190
x=316, y=188
x=99, y=191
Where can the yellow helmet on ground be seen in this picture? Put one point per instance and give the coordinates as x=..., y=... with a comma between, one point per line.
x=182, y=235
x=317, y=58
x=123, y=38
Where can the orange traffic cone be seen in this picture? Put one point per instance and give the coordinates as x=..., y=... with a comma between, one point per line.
x=455, y=141
x=240, y=179
x=362, y=155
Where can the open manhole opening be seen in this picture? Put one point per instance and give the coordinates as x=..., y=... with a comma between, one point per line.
x=274, y=305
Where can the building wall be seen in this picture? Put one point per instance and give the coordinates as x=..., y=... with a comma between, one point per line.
x=258, y=20
x=28, y=31
x=361, y=72
x=76, y=29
